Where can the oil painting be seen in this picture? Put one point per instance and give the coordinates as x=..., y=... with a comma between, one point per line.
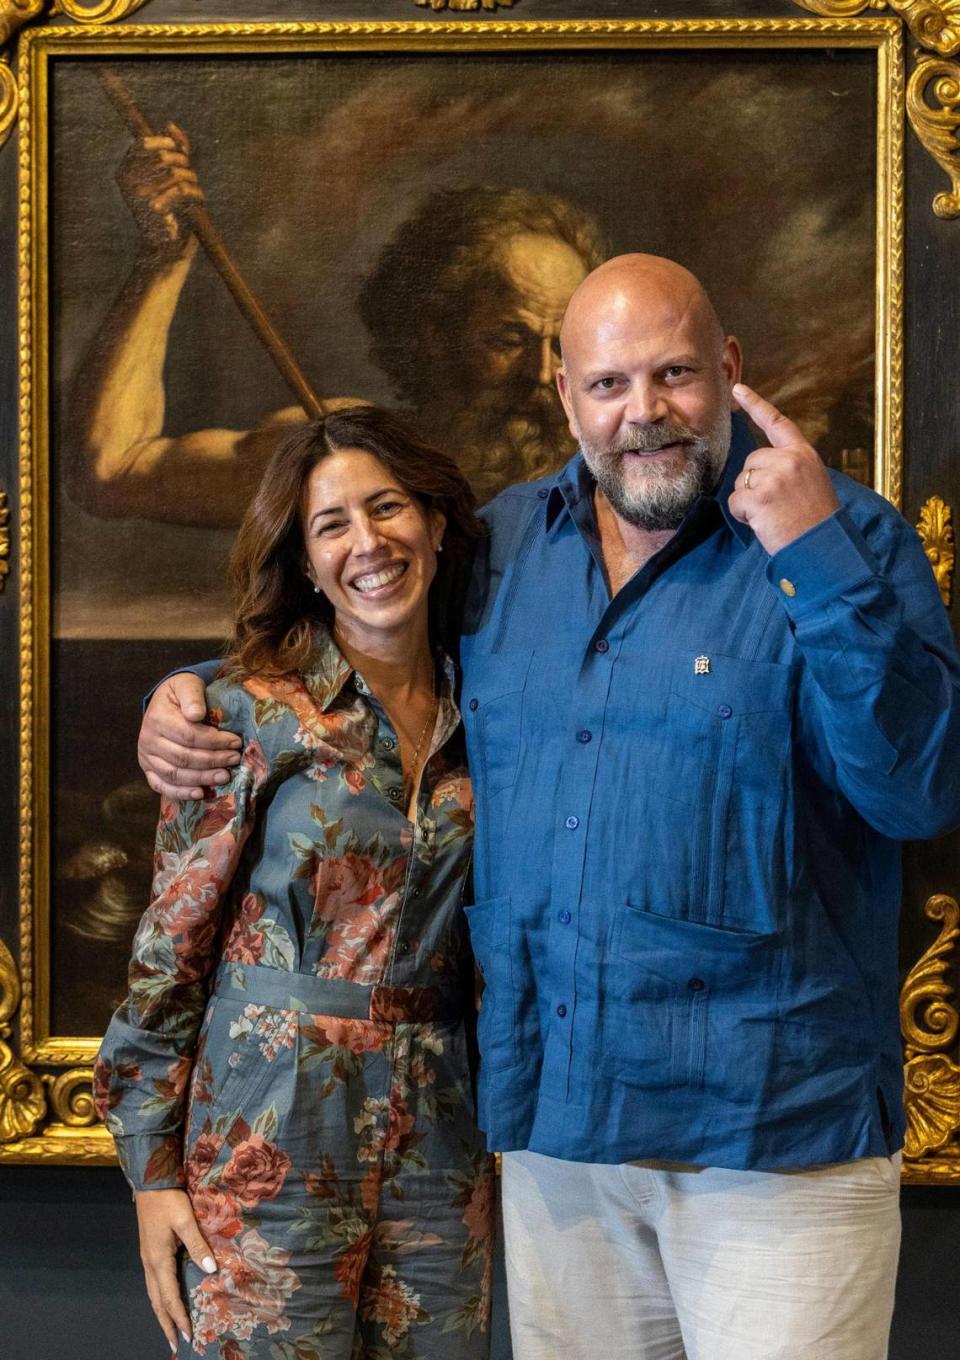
x=411, y=224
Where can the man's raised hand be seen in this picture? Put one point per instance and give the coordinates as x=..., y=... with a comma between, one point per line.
x=784, y=489
x=158, y=181
x=179, y=752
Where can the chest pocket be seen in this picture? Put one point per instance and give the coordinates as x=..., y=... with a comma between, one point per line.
x=493, y=701
x=719, y=785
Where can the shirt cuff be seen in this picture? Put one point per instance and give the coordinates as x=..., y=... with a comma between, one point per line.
x=152, y=1161
x=828, y=561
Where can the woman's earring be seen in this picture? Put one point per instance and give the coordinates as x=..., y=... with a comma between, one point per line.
x=439, y=547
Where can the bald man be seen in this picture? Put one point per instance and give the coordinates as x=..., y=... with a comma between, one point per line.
x=708, y=688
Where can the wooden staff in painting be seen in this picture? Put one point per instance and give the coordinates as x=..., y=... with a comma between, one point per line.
x=199, y=221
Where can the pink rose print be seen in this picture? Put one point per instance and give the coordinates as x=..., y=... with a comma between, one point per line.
x=256, y=1171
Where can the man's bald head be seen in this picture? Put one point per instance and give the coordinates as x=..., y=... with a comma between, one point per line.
x=626, y=289
x=646, y=384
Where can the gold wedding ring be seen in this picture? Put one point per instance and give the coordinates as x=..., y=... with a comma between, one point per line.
x=746, y=479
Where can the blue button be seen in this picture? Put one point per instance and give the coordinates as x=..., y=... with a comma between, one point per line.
x=474, y=705
x=387, y=743
x=564, y=918
x=572, y=823
x=543, y=493
x=601, y=645
x=561, y=1010
x=696, y=984
x=724, y=711
x=584, y=736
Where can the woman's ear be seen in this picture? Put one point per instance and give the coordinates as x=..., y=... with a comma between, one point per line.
x=438, y=522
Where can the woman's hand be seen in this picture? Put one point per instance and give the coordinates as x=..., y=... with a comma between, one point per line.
x=165, y=1219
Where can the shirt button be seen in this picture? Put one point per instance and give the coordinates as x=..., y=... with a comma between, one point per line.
x=601, y=645
x=418, y=892
x=564, y=918
x=584, y=736
x=572, y=823
x=787, y=587
x=404, y=947
x=543, y=493
x=474, y=705
x=724, y=711
x=561, y=1010
x=387, y=743
x=394, y=795
x=696, y=984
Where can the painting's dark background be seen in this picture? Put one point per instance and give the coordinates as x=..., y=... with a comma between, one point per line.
x=69, y=1279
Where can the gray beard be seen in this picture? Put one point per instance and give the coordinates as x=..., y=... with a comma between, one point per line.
x=664, y=496
x=501, y=438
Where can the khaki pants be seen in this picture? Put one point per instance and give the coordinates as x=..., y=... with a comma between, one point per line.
x=655, y=1262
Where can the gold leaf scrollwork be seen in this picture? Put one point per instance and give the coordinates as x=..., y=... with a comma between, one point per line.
x=97, y=11
x=937, y=124
x=15, y=13
x=71, y=1096
x=934, y=23
x=932, y=1099
x=930, y=1023
x=23, y=1103
x=465, y=4
x=4, y=508
x=9, y=103
x=935, y=527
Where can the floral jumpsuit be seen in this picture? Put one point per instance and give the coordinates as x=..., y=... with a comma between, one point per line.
x=293, y=1046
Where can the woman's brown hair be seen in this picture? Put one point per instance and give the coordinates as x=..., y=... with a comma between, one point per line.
x=276, y=608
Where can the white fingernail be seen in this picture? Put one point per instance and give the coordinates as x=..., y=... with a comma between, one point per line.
x=185, y=1335
x=209, y=1265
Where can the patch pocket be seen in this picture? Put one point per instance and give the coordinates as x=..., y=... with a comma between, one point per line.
x=671, y=989
x=489, y=923
x=493, y=713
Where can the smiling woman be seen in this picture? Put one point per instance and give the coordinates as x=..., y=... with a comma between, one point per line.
x=292, y=1055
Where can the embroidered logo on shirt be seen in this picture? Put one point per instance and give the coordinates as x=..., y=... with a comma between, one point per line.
x=701, y=666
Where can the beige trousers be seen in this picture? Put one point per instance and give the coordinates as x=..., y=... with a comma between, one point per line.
x=655, y=1262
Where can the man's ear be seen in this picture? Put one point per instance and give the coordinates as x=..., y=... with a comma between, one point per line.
x=731, y=361
x=563, y=390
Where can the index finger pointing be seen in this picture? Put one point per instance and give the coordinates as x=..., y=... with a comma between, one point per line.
x=778, y=428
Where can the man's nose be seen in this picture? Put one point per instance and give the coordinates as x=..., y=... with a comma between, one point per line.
x=645, y=404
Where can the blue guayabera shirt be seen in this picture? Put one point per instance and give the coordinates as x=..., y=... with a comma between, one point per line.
x=689, y=803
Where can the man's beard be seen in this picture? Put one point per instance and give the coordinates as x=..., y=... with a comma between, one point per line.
x=662, y=494
x=506, y=435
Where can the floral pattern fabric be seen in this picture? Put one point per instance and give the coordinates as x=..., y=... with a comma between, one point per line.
x=293, y=1049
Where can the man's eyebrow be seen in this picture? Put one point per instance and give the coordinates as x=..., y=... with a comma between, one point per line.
x=374, y=495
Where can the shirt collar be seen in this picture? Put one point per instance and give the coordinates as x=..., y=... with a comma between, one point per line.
x=329, y=671
x=573, y=482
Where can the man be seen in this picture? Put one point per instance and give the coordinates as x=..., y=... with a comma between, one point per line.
x=464, y=310
x=706, y=692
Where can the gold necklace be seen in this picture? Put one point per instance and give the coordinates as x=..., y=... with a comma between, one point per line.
x=431, y=722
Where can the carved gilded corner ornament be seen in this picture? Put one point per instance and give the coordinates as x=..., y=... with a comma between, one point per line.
x=4, y=533
x=937, y=124
x=935, y=528
x=23, y=1102
x=933, y=23
x=930, y=1022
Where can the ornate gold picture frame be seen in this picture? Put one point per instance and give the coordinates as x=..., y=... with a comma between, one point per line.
x=46, y=1109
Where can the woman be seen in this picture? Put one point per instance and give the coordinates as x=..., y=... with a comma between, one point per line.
x=288, y=1080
